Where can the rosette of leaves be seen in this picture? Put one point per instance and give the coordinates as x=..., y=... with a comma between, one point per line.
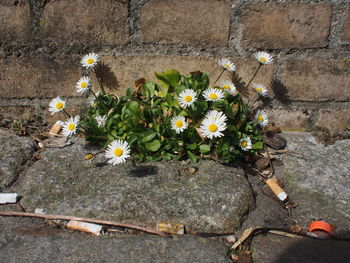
x=143, y=118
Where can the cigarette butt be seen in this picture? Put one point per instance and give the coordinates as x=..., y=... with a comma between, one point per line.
x=178, y=229
x=85, y=227
x=276, y=189
x=8, y=198
x=56, y=128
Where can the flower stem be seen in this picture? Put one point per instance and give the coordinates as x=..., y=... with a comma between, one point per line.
x=66, y=113
x=256, y=72
x=219, y=76
x=100, y=82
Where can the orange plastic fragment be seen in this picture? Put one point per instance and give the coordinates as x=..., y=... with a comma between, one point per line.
x=320, y=225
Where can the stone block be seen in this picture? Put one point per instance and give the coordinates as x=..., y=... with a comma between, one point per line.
x=316, y=79
x=186, y=21
x=346, y=27
x=334, y=120
x=286, y=25
x=28, y=77
x=86, y=22
x=15, y=21
x=289, y=120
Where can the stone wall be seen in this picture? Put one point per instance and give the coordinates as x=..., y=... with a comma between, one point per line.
x=42, y=42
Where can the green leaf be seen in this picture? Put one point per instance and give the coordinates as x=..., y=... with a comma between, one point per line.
x=133, y=106
x=192, y=157
x=148, y=136
x=258, y=146
x=149, y=89
x=204, y=148
x=170, y=77
x=153, y=146
x=129, y=92
x=191, y=146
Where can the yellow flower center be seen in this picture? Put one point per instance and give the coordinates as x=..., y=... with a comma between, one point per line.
x=188, y=98
x=227, y=66
x=59, y=105
x=179, y=123
x=260, y=118
x=244, y=144
x=212, y=127
x=263, y=60
x=227, y=86
x=83, y=85
x=90, y=61
x=118, y=152
x=213, y=96
x=71, y=127
x=259, y=90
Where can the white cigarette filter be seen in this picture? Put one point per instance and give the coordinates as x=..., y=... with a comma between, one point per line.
x=85, y=227
x=8, y=198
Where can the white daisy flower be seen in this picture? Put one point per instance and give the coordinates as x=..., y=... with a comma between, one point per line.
x=213, y=94
x=187, y=98
x=178, y=123
x=117, y=151
x=245, y=143
x=101, y=120
x=70, y=126
x=263, y=57
x=227, y=64
x=260, y=89
x=56, y=105
x=83, y=85
x=228, y=86
x=90, y=60
x=213, y=124
x=262, y=118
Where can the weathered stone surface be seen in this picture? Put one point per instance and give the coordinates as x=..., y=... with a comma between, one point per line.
x=289, y=25
x=126, y=69
x=34, y=246
x=186, y=21
x=289, y=120
x=317, y=79
x=216, y=198
x=15, y=151
x=272, y=248
x=346, y=27
x=320, y=181
x=334, y=120
x=34, y=77
x=85, y=22
x=14, y=21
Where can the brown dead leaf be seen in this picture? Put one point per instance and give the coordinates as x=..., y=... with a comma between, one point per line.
x=296, y=229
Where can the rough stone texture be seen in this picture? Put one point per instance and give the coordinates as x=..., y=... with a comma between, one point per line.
x=291, y=25
x=319, y=182
x=124, y=70
x=20, y=112
x=272, y=248
x=87, y=22
x=316, y=80
x=33, y=77
x=334, y=120
x=346, y=27
x=15, y=151
x=216, y=198
x=186, y=21
x=22, y=245
x=14, y=21
x=289, y=120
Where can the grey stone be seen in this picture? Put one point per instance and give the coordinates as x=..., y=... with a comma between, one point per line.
x=216, y=198
x=53, y=246
x=15, y=151
x=320, y=181
x=273, y=249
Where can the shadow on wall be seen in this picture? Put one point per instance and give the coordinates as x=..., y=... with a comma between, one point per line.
x=311, y=250
x=281, y=92
x=107, y=77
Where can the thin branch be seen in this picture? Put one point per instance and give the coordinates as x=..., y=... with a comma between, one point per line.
x=96, y=221
x=219, y=76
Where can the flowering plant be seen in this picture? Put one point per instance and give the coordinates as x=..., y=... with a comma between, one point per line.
x=180, y=117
